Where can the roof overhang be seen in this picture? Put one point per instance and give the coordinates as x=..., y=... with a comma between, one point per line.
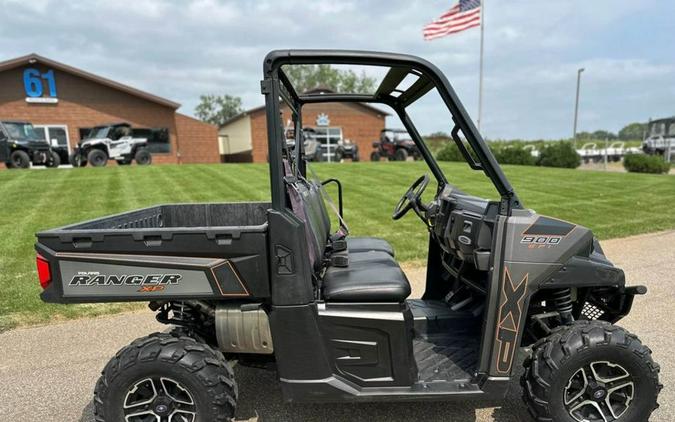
x=33, y=58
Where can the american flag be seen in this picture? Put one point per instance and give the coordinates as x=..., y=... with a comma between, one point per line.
x=463, y=15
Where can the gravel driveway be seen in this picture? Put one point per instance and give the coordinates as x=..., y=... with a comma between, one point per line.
x=48, y=373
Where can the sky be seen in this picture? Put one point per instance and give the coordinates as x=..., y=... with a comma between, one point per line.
x=180, y=50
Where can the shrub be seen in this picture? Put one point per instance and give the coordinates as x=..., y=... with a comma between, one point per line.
x=449, y=152
x=515, y=154
x=559, y=154
x=641, y=163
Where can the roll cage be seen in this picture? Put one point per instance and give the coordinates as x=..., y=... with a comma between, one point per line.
x=276, y=85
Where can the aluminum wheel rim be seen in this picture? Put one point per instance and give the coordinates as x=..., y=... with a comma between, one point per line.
x=159, y=399
x=601, y=391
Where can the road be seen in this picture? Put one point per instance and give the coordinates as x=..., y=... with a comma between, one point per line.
x=48, y=373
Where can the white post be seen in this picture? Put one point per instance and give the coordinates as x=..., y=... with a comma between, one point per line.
x=480, y=73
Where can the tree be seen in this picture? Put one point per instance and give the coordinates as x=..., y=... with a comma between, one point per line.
x=217, y=109
x=310, y=76
x=632, y=131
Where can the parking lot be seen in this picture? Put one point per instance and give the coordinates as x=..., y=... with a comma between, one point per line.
x=48, y=372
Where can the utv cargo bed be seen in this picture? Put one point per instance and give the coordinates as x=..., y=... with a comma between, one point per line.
x=143, y=254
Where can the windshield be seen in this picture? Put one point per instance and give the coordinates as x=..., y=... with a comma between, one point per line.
x=21, y=131
x=396, y=135
x=99, y=132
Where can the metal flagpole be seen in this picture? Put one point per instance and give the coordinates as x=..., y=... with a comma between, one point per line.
x=480, y=77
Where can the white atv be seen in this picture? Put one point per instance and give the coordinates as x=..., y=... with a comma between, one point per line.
x=114, y=141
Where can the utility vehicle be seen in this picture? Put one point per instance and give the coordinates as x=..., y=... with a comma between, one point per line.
x=112, y=141
x=660, y=136
x=347, y=149
x=273, y=284
x=312, y=147
x=394, y=144
x=20, y=146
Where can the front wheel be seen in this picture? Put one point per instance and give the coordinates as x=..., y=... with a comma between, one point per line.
x=591, y=371
x=164, y=377
x=97, y=158
x=401, y=155
x=375, y=156
x=19, y=160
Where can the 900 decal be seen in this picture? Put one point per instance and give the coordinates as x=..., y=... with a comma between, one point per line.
x=539, y=241
x=147, y=283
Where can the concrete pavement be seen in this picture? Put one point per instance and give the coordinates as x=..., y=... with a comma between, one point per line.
x=48, y=373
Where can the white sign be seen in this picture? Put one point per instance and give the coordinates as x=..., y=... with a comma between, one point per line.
x=42, y=100
x=322, y=120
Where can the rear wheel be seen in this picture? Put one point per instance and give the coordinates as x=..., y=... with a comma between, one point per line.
x=375, y=156
x=355, y=157
x=401, y=155
x=591, y=371
x=143, y=157
x=19, y=160
x=54, y=160
x=97, y=158
x=164, y=377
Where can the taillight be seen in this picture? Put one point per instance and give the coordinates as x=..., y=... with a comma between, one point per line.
x=44, y=272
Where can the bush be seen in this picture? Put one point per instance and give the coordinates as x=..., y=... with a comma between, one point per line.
x=449, y=152
x=559, y=154
x=641, y=163
x=515, y=154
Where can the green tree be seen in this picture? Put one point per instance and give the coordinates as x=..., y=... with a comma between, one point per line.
x=632, y=131
x=217, y=109
x=310, y=76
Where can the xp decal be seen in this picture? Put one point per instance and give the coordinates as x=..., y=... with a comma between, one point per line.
x=510, y=312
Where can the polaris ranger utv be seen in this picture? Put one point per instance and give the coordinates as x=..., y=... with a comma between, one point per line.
x=274, y=283
x=396, y=145
x=114, y=141
x=21, y=146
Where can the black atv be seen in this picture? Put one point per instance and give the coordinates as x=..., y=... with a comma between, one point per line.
x=271, y=284
x=20, y=146
x=394, y=145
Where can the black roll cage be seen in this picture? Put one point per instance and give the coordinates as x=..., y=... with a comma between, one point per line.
x=276, y=85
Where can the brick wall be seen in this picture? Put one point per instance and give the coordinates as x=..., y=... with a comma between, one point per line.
x=84, y=103
x=359, y=124
x=198, y=141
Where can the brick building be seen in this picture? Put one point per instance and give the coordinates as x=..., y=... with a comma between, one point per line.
x=63, y=103
x=244, y=137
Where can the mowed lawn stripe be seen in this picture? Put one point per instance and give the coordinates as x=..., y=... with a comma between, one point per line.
x=612, y=204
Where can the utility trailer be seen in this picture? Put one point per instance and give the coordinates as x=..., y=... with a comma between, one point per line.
x=274, y=285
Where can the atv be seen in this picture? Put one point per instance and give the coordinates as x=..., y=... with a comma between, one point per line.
x=396, y=145
x=112, y=141
x=272, y=284
x=346, y=149
x=21, y=146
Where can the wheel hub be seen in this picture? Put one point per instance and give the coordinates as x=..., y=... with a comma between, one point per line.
x=599, y=392
x=159, y=399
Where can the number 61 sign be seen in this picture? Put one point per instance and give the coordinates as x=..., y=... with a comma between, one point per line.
x=34, y=84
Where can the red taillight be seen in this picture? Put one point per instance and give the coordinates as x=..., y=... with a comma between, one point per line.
x=44, y=272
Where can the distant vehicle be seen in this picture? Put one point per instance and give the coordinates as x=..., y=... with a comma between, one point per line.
x=20, y=146
x=113, y=141
x=312, y=147
x=347, y=149
x=394, y=144
x=660, y=136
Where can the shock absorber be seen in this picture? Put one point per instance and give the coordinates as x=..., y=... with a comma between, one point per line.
x=562, y=298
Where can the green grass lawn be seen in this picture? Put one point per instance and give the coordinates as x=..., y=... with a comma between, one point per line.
x=612, y=204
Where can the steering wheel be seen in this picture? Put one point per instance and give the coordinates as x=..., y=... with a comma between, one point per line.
x=412, y=199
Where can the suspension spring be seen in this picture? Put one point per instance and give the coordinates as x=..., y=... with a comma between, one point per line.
x=562, y=298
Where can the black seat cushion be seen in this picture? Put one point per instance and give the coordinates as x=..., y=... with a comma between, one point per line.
x=371, y=277
x=363, y=244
